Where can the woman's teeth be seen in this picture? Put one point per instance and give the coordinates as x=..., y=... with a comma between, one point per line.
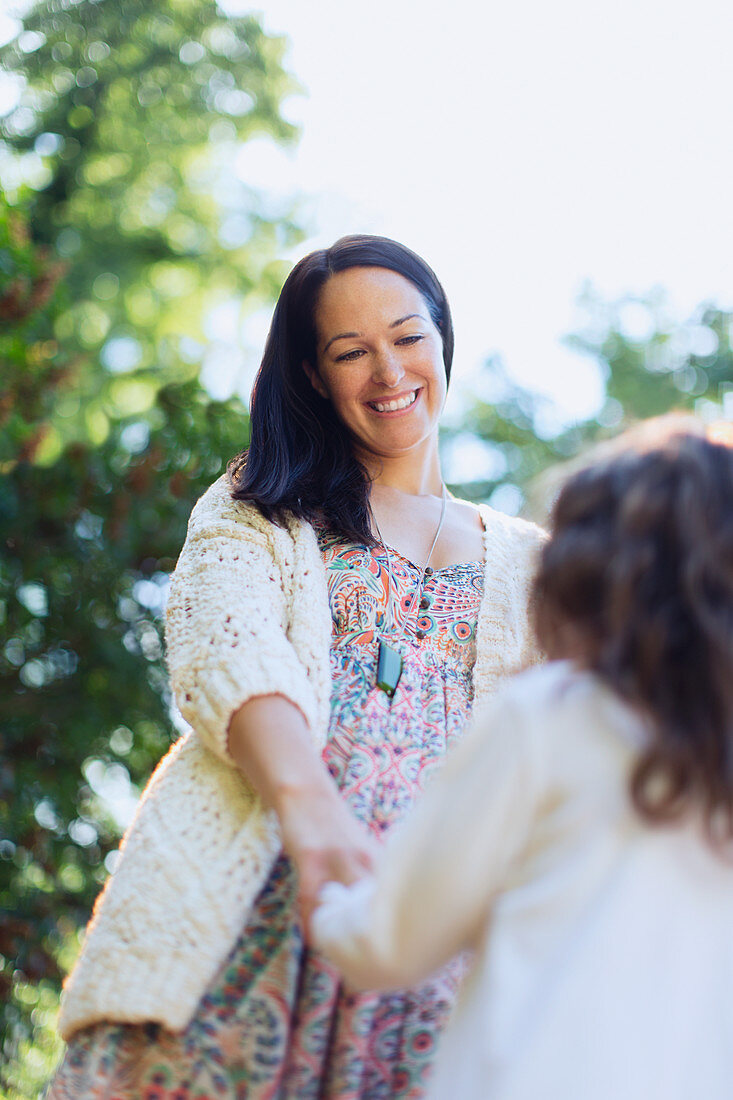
x=393, y=406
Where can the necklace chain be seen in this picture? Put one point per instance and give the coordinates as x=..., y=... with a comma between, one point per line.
x=421, y=582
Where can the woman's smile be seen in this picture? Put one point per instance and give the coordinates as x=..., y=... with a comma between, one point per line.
x=395, y=405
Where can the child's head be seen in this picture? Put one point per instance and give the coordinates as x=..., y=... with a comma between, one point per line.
x=637, y=583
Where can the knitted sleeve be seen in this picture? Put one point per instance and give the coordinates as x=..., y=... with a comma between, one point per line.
x=227, y=619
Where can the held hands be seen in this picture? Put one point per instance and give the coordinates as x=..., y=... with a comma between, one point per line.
x=324, y=840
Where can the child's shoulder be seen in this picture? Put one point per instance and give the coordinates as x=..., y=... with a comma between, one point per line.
x=572, y=700
x=554, y=681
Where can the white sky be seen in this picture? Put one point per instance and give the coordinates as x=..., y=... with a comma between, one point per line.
x=521, y=148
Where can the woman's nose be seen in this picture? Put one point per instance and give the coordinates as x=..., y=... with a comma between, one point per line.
x=387, y=368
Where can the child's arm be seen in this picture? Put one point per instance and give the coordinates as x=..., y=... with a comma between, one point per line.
x=436, y=880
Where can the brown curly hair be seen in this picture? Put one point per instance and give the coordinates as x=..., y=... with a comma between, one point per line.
x=637, y=583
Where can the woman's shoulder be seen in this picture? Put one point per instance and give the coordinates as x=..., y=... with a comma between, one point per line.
x=501, y=526
x=511, y=546
x=217, y=503
x=218, y=508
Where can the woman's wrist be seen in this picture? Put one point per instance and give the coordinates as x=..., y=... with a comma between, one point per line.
x=316, y=790
x=272, y=745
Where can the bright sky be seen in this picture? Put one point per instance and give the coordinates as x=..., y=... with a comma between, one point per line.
x=521, y=148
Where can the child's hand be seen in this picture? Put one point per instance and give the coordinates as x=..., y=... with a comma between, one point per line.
x=342, y=916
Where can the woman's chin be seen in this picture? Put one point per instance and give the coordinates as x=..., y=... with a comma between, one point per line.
x=392, y=444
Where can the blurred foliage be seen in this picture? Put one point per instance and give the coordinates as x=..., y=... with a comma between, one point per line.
x=122, y=225
x=122, y=152
x=650, y=363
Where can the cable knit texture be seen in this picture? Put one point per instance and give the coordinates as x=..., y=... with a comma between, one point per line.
x=247, y=615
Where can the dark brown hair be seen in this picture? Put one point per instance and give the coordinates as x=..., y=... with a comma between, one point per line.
x=300, y=460
x=637, y=581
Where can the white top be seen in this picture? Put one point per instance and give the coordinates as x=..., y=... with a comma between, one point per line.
x=604, y=946
x=248, y=615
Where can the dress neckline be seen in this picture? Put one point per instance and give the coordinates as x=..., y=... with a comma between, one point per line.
x=480, y=562
x=430, y=571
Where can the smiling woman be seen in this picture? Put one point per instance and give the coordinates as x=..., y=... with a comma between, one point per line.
x=332, y=618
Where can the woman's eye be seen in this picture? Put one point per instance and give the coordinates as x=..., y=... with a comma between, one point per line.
x=348, y=356
x=412, y=339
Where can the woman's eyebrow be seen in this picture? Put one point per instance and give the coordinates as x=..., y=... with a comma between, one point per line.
x=343, y=336
x=356, y=335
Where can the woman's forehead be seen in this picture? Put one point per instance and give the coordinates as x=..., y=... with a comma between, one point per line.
x=371, y=293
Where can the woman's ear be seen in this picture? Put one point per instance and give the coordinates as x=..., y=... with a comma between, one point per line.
x=315, y=379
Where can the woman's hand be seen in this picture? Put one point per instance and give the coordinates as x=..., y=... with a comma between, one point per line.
x=324, y=840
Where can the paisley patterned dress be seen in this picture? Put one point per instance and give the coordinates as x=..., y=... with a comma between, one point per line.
x=276, y=1022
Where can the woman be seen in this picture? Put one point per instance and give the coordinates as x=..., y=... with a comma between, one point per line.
x=332, y=617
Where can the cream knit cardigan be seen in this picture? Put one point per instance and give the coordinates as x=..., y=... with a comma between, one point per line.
x=248, y=615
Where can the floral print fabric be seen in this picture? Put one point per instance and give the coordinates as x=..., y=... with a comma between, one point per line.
x=276, y=1022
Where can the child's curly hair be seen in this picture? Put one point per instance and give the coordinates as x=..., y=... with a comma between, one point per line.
x=637, y=581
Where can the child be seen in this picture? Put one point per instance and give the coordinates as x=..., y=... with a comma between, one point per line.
x=579, y=840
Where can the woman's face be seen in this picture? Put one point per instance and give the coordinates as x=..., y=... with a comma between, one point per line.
x=379, y=360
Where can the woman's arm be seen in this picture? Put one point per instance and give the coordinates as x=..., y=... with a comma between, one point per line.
x=434, y=886
x=270, y=742
x=239, y=681
x=227, y=622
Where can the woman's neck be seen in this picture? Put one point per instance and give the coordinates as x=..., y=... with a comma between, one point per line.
x=415, y=474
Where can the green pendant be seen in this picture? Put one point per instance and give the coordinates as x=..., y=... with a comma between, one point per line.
x=389, y=669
